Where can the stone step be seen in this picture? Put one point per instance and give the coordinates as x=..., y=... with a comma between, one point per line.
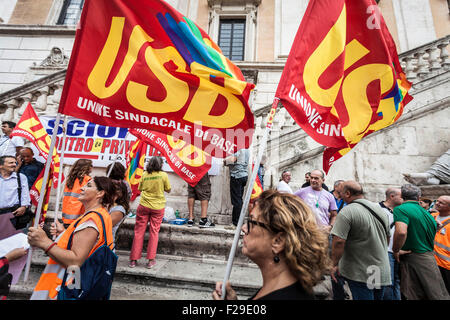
x=172, y=278
x=181, y=240
x=176, y=203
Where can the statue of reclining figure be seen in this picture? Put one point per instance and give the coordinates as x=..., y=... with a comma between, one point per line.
x=439, y=173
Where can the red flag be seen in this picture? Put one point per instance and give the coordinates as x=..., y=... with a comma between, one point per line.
x=186, y=160
x=141, y=64
x=31, y=128
x=35, y=194
x=135, y=166
x=343, y=80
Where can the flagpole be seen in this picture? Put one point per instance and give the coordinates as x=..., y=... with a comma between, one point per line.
x=251, y=182
x=61, y=169
x=122, y=143
x=41, y=197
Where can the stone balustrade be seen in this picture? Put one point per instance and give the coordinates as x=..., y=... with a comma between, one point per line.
x=426, y=61
x=44, y=94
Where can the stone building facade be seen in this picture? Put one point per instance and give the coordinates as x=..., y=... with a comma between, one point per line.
x=36, y=39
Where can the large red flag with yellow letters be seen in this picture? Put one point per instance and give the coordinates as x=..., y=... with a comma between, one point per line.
x=141, y=64
x=343, y=80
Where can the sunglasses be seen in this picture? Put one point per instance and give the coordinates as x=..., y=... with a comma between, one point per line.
x=251, y=222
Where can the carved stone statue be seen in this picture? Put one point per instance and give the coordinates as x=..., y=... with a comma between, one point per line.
x=57, y=58
x=439, y=173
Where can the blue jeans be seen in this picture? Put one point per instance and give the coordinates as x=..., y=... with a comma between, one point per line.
x=338, y=288
x=392, y=292
x=360, y=291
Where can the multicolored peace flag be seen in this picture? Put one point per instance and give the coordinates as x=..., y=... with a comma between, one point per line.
x=141, y=64
x=135, y=162
x=343, y=80
x=187, y=161
x=257, y=188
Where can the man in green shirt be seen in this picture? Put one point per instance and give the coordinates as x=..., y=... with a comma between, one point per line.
x=415, y=230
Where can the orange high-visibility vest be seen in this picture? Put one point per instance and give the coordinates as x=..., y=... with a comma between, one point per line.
x=51, y=279
x=442, y=244
x=72, y=208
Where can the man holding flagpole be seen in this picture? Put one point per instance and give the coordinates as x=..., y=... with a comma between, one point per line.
x=238, y=164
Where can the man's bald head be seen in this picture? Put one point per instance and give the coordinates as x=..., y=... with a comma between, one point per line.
x=351, y=190
x=443, y=205
x=27, y=155
x=394, y=197
x=353, y=187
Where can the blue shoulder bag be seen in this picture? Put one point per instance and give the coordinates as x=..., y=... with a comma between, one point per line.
x=96, y=273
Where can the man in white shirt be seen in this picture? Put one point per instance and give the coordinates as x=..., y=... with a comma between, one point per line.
x=283, y=185
x=9, y=196
x=393, y=199
x=9, y=146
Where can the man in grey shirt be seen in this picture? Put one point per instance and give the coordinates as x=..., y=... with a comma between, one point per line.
x=359, y=250
x=238, y=164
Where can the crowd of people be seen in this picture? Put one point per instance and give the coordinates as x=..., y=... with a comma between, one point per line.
x=396, y=249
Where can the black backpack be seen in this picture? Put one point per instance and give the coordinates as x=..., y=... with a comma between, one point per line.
x=96, y=273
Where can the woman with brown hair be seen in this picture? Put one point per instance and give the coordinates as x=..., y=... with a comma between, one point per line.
x=88, y=235
x=78, y=177
x=283, y=239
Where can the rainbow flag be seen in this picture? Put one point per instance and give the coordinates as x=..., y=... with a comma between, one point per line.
x=257, y=188
x=135, y=166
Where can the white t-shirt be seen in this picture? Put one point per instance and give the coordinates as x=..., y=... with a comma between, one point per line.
x=121, y=209
x=390, y=216
x=284, y=187
x=8, y=146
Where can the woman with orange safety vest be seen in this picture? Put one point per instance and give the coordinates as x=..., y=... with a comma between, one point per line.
x=96, y=195
x=78, y=177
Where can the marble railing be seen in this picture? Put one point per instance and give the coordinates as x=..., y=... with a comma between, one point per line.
x=44, y=94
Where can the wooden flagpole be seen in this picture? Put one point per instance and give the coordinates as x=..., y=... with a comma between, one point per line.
x=41, y=197
x=251, y=182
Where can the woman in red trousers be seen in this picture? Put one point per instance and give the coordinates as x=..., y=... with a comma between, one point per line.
x=154, y=183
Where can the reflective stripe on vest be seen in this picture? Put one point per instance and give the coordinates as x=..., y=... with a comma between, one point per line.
x=71, y=194
x=440, y=245
x=67, y=216
x=49, y=283
x=72, y=208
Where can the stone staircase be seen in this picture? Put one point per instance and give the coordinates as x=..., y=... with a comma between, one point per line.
x=190, y=260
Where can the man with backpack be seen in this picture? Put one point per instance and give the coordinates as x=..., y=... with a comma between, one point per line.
x=359, y=249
